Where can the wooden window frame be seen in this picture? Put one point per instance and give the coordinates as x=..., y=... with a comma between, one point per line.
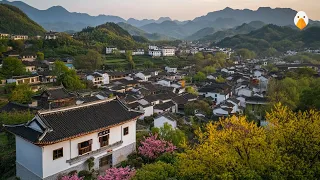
x=104, y=143
x=125, y=132
x=84, y=150
x=56, y=154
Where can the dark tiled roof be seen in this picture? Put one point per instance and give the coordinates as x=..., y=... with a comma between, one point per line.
x=71, y=122
x=256, y=99
x=57, y=93
x=24, y=132
x=164, y=106
x=12, y=106
x=217, y=88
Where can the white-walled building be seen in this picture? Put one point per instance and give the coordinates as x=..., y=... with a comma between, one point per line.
x=218, y=92
x=153, y=47
x=143, y=76
x=138, y=52
x=162, y=119
x=56, y=142
x=168, y=51
x=171, y=70
x=155, y=53
x=99, y=79
x=109, y=50
x=51, y=35
x=19, y=37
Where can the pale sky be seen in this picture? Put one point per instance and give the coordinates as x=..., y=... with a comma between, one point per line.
x=175, y=9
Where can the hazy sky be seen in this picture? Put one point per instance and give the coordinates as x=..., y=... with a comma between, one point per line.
x=176, y=9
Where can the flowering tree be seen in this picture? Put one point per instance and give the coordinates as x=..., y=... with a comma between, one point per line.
x=73, y=177
x=118, y=174
x=152, y=147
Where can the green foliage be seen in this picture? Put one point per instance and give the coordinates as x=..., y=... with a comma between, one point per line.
x=176, y=136
x=14, y=21
x=209, y=69
x=191, y=90
x=67, y=77
x=12, y=66
x=199, y=56
x=310, y=98
x=155, y=171
x=130, y=59
x=40, y=56
x=189, y=108
x=304, y=58
x=220, y=79
x=200, y=76
x=91, y=61
x=134, y=160
x=22, y=94
x=246, y=53
x=90, y=163
x=16, y=117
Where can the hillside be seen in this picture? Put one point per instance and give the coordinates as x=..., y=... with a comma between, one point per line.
x=201, y=33
x=14, y=21
x=275, y=37
x=242, y=29
x=134, y=31
x=110, y=34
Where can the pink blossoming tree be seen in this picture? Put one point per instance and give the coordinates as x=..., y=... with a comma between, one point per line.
x=152, y=147
x=73, y=177
x=118, y=174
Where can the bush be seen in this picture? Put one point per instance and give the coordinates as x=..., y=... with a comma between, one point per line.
x=84, y=173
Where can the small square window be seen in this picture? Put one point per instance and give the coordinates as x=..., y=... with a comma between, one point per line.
x=58, y=153
x=125, y=131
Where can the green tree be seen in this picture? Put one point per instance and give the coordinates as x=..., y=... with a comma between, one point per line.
x=67, y=77
x=209, y=70
x=130, y=59
x=12, y=66
x=200, y=76
x=155, y=171
x=176, y=136
x=40, y=56
x=246, y=54
x=310, y=98
x=199, y=56
x=21, y=94
x=191, y=90
x=220, y=79
x=92, y=60
x=189, y=108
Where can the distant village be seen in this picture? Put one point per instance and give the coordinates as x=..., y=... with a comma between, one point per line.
x=69, y=127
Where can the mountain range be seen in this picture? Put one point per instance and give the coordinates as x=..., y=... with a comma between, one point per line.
x=57, y=18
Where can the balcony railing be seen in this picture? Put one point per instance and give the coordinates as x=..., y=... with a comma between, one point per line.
x=93, y=153
x=85, y=150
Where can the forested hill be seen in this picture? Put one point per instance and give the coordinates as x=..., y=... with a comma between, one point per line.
x=14, y=21
x=273, y=38
x=109, y=34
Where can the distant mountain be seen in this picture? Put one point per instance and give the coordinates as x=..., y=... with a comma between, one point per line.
x=108, y=33
x=277, y=16
x=201, y=33
x=276, y=37
x=139, y=23
x=219, y=35
x=134, y=31
x=169, y=28
x=14, y=21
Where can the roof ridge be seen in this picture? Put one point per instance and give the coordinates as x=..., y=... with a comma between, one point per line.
x=42, y=112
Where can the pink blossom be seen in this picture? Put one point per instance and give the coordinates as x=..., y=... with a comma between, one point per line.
x=152, y=147
x=118, y=174
x=73, y=177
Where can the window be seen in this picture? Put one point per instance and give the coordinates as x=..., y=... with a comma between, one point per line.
x=104, y=140
x=58, y=153
x=125, y=131
x=85, y=147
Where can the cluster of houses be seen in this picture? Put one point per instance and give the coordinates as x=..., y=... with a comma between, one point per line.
x=48, y=35
x=112, y=50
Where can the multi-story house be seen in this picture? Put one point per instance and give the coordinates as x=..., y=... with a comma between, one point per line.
x=27, y=79
x=4, y=36
x=168, y=51
x=51, y=35
x=57, y=142
x=138, y=52
x=99, y=79
x=155, y=53
x=218, y=92
x=19, y=37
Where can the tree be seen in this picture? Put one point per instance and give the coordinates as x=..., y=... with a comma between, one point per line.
x=190, y=108
x=234, y=148
x=209, y=70
x=310, y=98
x=152, y=147
x=130, y=60
x=199, y=56
x=118, y=174
x=67, y=77
x=15, y=117
x=21, y=94
x=209, y=57
x=73, y=177
x=12, y=66
x=155, y=171
x=246, y=54
x=191, y=90
x=92, y=60
x=220, y=79
x=40, y=56
x=200, y=76
x=176, y=136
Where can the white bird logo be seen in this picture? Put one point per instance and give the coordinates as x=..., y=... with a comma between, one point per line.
x=301, y=20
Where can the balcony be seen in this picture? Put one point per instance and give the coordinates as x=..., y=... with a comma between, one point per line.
x=90, y=153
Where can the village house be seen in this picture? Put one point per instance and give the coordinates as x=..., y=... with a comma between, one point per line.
x=98, y=79
x=218, y=92
x=162, y=119
x=138, y=52
x=55, y=97
x=19, y=37
x=27, y=79
x=28, y=56
x=110, y=50
x=57, y=142
x=155, y=53
x=4, y=36
x=168, y=51
x=170, y=69
x=51, y=35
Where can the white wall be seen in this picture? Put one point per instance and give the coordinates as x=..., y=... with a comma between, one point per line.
x=29, y=156
x=245, y=92
x=159, y=122
x=148, y=111
x=51, y=167
x=218, y=97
